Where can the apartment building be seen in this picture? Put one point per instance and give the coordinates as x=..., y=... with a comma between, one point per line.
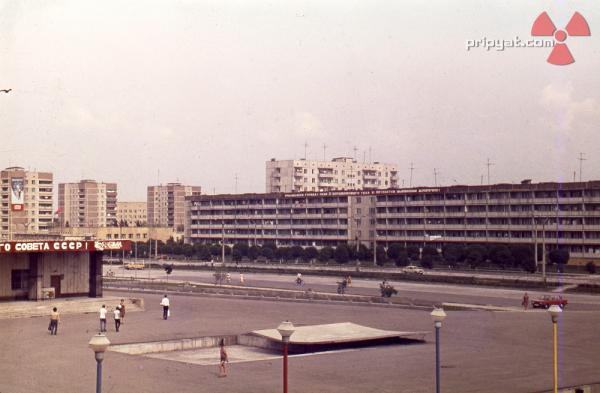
x=555, y=215
x=166, y=204
x=26, y=202
x=132, y=213
x=87, y=203
x=341, y=173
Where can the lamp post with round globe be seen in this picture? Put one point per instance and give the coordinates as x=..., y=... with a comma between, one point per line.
x=286, y=329
x=438, y=316
x=555, y=312
x=98, y=344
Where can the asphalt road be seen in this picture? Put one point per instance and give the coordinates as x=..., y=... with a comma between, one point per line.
x=428, y=292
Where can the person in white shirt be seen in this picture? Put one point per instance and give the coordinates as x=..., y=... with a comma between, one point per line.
x=165, y=305
x=117, y=313
x=103, y=312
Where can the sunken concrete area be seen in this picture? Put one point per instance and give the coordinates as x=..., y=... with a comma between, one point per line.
x=266, y=344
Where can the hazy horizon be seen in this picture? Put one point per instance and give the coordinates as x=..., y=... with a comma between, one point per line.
x=204, y=90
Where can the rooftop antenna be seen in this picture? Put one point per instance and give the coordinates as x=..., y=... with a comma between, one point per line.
x=488, y=170
x=482, y=180
x=370, y=161
x=355, y=150
x=412, y=168
x=305, y=146
x=236, y=182
x=435, y=173
x=324, y=149
x=581, y=160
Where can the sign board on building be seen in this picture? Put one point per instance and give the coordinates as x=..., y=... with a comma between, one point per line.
x=64, y=246
x=17, y=193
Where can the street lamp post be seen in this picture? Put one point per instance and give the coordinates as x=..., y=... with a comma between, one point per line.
x=555, y=312
x=98, y=344
x=438, y=316
x=286, y=329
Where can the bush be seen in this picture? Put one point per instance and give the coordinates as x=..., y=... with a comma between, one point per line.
x=236, y=254
x=267, y=252
x=342, y=254
x=453, y=253
x=394, y=251
x=310, y=253
x=591, y=267
x=253, y=252
x=475, y=255
x=296, y=252
x=325, y=254
x=364, y=253
x=381, y=255
x=501, y=256
x=523, y=258
x=413, y=252
x=559, y=257
x=402, y=259
x=427, y=261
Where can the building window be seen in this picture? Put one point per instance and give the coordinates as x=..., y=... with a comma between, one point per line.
x=18, y=279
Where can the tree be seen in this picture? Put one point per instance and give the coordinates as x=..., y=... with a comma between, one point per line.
x=283, y=253
x=431, y=251
x=475, y=255
x=364, y=253
x=523, y=257
x=453, y=253
x=413, y=252
x=591, y=267
x=427, y=261
x=236, y=254
x=204, y=253
x=253, y=252
x=342, y=253
x=325, y=254
x=310, y=253
x=296, y=252
x=402, y=259
x=267, y=252
x=188, y=250
x=242, y=249
x=394, y=251
x=560, y=257
x=381, y=255
x=501, y=256
x=215, y=249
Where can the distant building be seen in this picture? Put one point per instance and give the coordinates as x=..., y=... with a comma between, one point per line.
x=87, y=204
x=26, y=198
x=341, y=173
x=549, y=215
x=166, y=204
x=133, y=233
x=132, y=213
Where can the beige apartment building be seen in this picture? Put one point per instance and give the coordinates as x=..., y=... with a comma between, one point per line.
x=133, y=233
x=166, y=204
x=549, y=215
x=27, y=198
x=87, y=204
x=132, y=213
x=341, y=173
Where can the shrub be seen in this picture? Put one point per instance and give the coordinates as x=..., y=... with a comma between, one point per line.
x=394, y=251
x=310, y=253
x=342, y=254
x=427, y=261
x=325, y=254
x=591, y=267
x=402, y=259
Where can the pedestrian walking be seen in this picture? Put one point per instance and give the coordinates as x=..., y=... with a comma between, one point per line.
x=349, y=280
x=117, y=313
x=242, y=278
x=525, y=302
x=122, y=305
x=103, y=312
x=54, y=318
x=224, y=359
x=228, y=278
x=165, y=305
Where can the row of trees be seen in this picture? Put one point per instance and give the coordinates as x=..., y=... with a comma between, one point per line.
x=501, y=256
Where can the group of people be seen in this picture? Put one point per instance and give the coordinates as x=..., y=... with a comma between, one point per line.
x=118, y=312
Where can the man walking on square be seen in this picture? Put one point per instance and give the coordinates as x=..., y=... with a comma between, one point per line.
x=54, y=318
x=122, y=308
x=117, y=313
x=165, y=305
x=103, y=312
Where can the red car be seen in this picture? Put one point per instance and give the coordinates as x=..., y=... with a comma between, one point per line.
x=546, y=301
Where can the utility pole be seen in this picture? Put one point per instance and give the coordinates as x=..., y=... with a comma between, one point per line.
x=412, y=168
x=581, y=160
x=488, y=170
x=370, y=160
x=435, y=173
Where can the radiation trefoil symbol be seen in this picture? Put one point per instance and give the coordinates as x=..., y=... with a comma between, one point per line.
x=577, y=27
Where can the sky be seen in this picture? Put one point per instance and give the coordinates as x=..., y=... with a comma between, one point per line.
x=201, y=92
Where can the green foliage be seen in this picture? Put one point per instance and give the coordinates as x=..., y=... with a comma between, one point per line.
x=591, y=267
x=325, y=254
x=215, y=249
x=236, y=255
x=394, y=251
x=524, y=258
x=253, y=252
x=413, y=252
x=240, y=249
x=427, y=261
x=364, y=253
x=402, y=259
x=501, y=256
x=310, y=253
x=475, y=255
x=430, y=251
x=267, y=252
x=296, y=252
x=381, y=255
x=559, y=257
x=342, y=253
x=453, y=253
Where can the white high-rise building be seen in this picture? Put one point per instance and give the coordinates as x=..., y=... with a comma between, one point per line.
x=341, y=173
x=166, y=204
x=26, y=198
x=87, y=204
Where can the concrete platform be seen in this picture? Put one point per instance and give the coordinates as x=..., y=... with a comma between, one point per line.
x=336, y=333
x=75, y=305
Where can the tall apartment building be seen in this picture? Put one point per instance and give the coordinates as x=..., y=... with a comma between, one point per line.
x=26, y=202
x=341, y=173
x=555, y=215
x=166, y=204
x=87, y=204
x=132, y=213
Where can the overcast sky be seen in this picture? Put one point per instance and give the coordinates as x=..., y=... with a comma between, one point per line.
x=205, y=90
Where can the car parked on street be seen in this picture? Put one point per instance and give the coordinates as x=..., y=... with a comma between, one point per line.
x=547, y=300
x=412, y=269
